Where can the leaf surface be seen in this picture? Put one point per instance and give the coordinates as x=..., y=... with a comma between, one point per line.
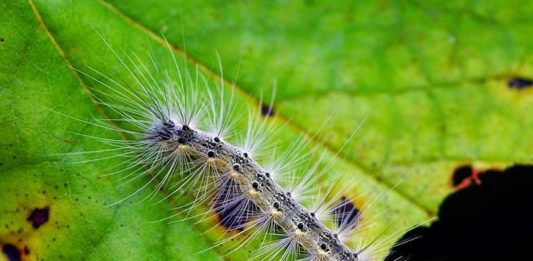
x=431, y=80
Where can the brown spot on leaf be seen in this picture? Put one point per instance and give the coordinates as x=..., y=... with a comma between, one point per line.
x=12, y=252
x=39, y=216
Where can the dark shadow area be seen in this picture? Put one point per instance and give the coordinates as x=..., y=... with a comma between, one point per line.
x=490, y=221
x=460, y=174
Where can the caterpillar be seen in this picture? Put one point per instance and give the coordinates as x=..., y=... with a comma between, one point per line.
x=179, y=133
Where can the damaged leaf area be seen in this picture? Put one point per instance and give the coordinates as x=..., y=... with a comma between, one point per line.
x=442, y=90
x=479, y=217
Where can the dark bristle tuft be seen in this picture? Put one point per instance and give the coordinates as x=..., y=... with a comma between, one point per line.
x=169, y=124
x=233, y=210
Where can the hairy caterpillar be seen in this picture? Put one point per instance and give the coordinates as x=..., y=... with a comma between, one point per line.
x=180, y=133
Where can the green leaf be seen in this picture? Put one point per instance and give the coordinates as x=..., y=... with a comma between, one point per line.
x=430, y=78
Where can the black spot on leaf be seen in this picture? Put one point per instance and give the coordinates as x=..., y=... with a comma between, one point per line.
x=39, y=216
x=345, y=214
x=267, y=110
x=12, y=252
x=520, y=83
x=491, y=221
